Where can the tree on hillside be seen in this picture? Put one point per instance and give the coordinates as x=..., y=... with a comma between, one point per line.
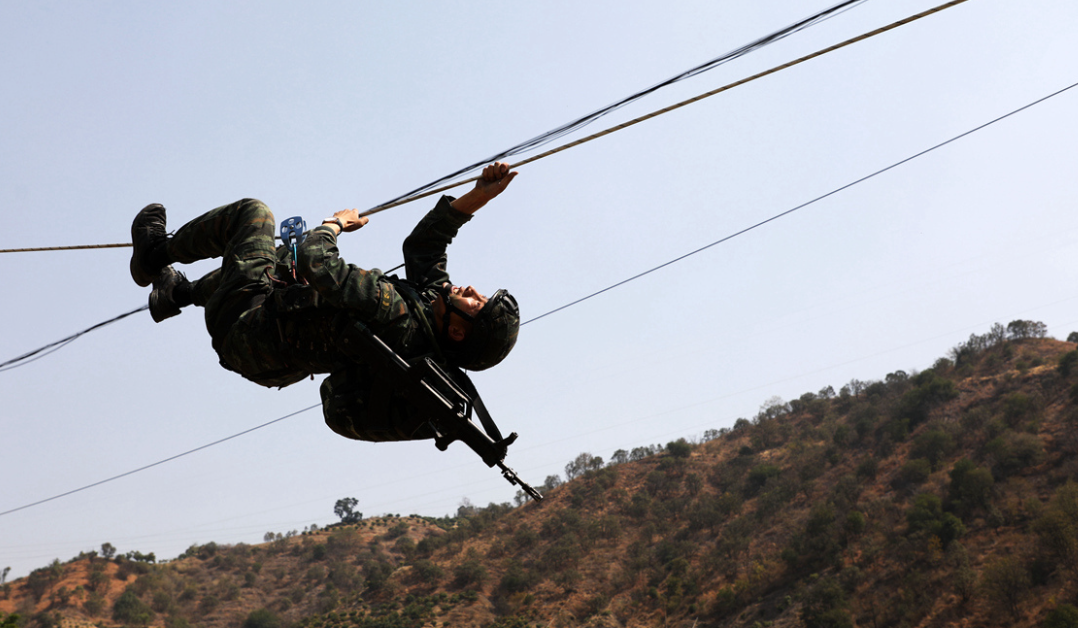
x=1006, y=581
x=825, y=606
x=345, y=509
x=1020, y=330
x=129, y=609
x=679, y=448
x=582, y=464
x=1062, y=616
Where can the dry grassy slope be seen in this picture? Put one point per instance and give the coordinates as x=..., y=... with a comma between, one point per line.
x=635, y=545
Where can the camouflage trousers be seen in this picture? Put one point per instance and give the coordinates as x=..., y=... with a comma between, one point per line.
x=242, y=235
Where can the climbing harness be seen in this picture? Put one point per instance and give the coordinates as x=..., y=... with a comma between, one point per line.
x=293, y=233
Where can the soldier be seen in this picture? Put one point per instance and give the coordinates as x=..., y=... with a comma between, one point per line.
x=276, y=320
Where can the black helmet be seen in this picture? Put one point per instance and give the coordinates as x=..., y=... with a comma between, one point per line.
x=493, y=334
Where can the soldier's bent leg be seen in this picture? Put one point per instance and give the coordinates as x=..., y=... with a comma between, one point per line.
x=240, y=233
x=240, y=230
x=202, y=289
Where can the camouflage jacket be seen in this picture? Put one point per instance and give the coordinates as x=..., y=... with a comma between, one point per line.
x=303, y=329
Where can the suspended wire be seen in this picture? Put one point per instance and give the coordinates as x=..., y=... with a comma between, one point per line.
x=60, y=344
x=580, y=300
x=425, y=191
x=679, y=105
x=67, y=340
x=159, y=462
x=67, y=248
x=564, y=129
x=569, y=127
x=545, y=138
x=801, y=206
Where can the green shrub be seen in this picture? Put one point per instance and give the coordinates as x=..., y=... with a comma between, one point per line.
x=1006, y=582
x=1017, y=407
x=162, y=602
x=1067, y=362
x=705, y=513
x=931, y=390
x=868, y=468
x=94, y=604
x=469, y=572
x=129, y=609
x=405, y=546
x=525, y=538
x=825, y=606
x=971, y=486
x=855, y=523
x=1014, y=452
x=517, y=579
x=562, y=554
x=1058, y=535
x=758, y=477
x=932, y=445
x=262, y=618
x=679, y=448
x=841, y=436
x=926, y=515
x=427, y=572
x=1062, y=616
x=397, y=531
x=913, y=473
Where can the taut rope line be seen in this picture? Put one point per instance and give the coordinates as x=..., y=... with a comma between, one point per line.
x=681, y=104
x=595, y=136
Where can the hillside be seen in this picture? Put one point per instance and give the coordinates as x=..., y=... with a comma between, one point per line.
x=946, y=497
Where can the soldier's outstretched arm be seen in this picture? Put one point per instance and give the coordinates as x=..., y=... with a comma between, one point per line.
x=495, y=178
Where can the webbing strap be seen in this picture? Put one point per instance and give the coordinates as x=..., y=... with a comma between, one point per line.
x=489, y=426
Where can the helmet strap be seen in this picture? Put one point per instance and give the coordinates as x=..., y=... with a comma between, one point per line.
x=445, y=292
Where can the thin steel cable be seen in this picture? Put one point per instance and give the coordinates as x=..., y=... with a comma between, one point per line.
x=803, y=205
x=414, y=196
x=595, y=136
x=159, y=462
x=579, y=123
x=60, y=344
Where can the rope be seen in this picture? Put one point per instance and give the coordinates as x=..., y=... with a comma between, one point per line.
x=409, y=199
x=60, y=344
x=683, y=103
x=646, y=272
x=67, y=248
x=570, y=127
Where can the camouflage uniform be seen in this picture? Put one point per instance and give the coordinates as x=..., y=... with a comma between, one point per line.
x=275, y=335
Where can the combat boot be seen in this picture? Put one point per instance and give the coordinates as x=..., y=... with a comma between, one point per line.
x=147, y=234
x=163, y=301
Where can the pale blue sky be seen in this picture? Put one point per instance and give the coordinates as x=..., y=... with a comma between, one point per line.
x=108, y=106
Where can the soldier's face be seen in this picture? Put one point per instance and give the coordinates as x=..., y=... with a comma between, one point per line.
x=467, y=300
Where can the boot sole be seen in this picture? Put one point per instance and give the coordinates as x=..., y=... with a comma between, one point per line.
x=141, y=276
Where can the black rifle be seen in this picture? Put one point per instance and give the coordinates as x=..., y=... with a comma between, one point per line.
x=448, y=399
